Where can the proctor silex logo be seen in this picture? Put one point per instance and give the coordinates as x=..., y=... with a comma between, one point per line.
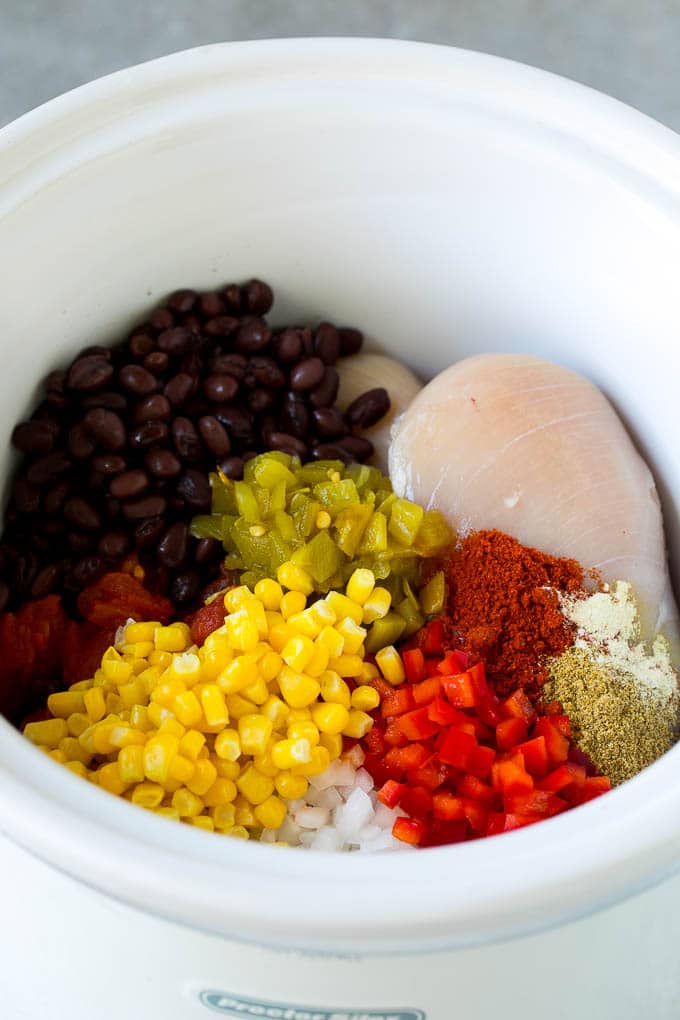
x=230, y=1005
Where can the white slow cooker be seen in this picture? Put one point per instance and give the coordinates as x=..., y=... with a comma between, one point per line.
x=447, y=203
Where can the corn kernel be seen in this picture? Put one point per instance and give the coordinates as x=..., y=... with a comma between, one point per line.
x=294, y=578
x=95, y=704
x=187, y=708
x=77, y=723
x=322, y=614
x=125, y=736
x=214, y=707
x=242, y=631
x=241, y=671
x=305, y=729
x=146, y=680
x=65, y=703
x=318, y=662
x=271, y=812
x=289, y=786
x=305, y=624
x=292, y=603
x=172, y=726
x=347, y=665
x=222, y=791
x=288, y=753
x=158, y=754
x=148, y=795
x=334, y=689
x=86, y=739
x=365, y=698
x=185, y=667
x=344, y=607
x=257, y=692
x=298, y=689
x=182, y=769
x=358, y=724
x=258, y=615
x=254, y=786
x=235, y=598
x=330, y=717
x=368, y=672
x=74, y=751
x=226, y=769
x=215, y=655
x=158, y=658
x=239, y=706
x=169, y=639
x=264, y=763
x=270, y=666
x=47, y=731
x=238, y=832
x=333, y=744
x=254, y=733
x=319, y=761
x=157, y=714
x=80, y=685
x=165, y=692
x=186, y=803
x=108, y=777
x=360, y=585
x=224, y=816
x=270, y=593
x=132, y=694
x=298, y=652
x=244, y=815
x=276, y=710
x=332, y=640
x=140, y=632
x=279, y=635
x=376, y=605
x=116, y=672
x=131, y=764
x=204, y=775
x=299, y=715
x=57, y=755
x=389, y=662
x=113, y=704
x=191, y=744
x=167, y=812
x=77, y=767
x=228, y=745
x=323, y=520
x=203, y=822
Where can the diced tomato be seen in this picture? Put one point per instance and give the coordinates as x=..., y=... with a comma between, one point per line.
x=518, y=706
x=414, y=664
x=513, y=779
x=447, y=806
x=441, y=712
x=431, y=637
x=398, y=701
x=456, y=748
x=207, y=619
x=563, y=775
x=480, y=761
x=416, y=725
x=538, y=802
x=535, y=754
x=556, y=744
x=390, y=793
x=412, y=756
x=416, y=801
x=117, y=597
x=474, y=789
x=426, y=691
x=409, y=830
x=459, y=690
x=84, y=645
x=510, y=732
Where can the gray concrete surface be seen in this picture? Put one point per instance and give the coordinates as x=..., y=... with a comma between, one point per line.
x=628, y=48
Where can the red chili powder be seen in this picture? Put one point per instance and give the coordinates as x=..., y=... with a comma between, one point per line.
x=503, y=605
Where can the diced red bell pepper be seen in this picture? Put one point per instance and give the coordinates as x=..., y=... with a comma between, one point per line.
x=374, y=741
x=538, y=802
x=476, y=815
x=448, y=807
x=409, y=830
x=450, y=664
x=393, y=736
x=416, y=801
x=488, y=709
x=456, y=748
x=474, y=789
x=381, y=685
x=510, y=732
x=563, y=775
x=513, y=779
x=416, y=725
x=390, y=793
x=562, y=723
x=518, y=706
x=444, y=833
x=556, y=744
x=426, y=691
x=480, y=761
x=496, y=823
x=459, y=690
x=519, y=821
x=398, y=701
x=413, y=756
x=414, y=664
x=594, y=786
x=579, y=757
x=442, y=712
x=431, y=637
x=431, y=776
x=535, y=754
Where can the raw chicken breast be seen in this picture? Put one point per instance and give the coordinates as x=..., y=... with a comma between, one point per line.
x=526, y=446
x=366, y=371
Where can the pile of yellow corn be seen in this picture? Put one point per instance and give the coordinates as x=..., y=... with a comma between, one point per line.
x=222, y=735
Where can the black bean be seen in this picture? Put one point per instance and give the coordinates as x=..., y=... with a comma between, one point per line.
x=163, y=463
x=152, y=408
x=232, y=297
x=35, y=436
x=252, y=336
x=26, y=497
x=89, y=373
x=265, y=372
x=174, y=341
x=194, y=488
x=358, y=447
x=185, y=438
x=237, y=421
x=172, y=548
x=106, y=427
x=261, y=400
x=141, y=344
x=329, y=423
x=307, y=374
x=148, y=531
x=162, y=319
x=288, y=444
x=235, y=365
x=113, y=545
x=192, y=364
x=185, y=587
x=295, y=416
x=54, y=526
x=325, y=393
x=147, y=506
x=289, y=346
x=218, y=584
x=214, y=435
x=211, y=304
x=80, y=542
x=220, y=388
x=268, y=425
x=221, y=325
x=179, y=388
x=81, y=443
x=4, y=596
x=54, y=499
x=129, y=484
x=207, y=551
x=45, y=581
x=48, y=469
x=108, y=463
x=351, y=341
x=148, y=434
x=113, y=506
x=327, y=343
x=232, y=467
x=257, y=296
x=82, y=514
x=182, y=301
x=156, y=362
x=109, y=399
x=88, y=570
x=368, y=408
x=137, y=380
x=95, y=350
x=329, y=451
x=96, y=481
x=55, y=384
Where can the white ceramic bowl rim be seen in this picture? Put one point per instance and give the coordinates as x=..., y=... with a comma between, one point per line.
x=470, y=893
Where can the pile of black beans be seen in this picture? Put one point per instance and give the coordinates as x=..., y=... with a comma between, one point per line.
x=115, y=458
